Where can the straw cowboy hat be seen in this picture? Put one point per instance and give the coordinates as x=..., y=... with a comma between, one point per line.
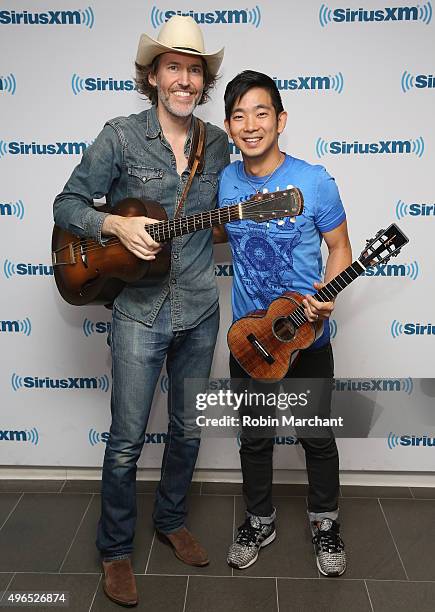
x=182, y=35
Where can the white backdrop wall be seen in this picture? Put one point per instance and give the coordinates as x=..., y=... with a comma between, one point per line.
x=354, y=72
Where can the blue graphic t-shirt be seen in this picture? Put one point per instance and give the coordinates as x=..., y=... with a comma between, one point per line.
x=280, y=255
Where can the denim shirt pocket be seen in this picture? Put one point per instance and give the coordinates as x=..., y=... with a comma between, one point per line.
x=208, y=184
x=144, y=182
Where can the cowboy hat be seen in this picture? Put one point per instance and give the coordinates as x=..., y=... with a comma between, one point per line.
x=180, y=35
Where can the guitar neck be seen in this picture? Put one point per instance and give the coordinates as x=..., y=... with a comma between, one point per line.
x=166, y=230
x=330, y=291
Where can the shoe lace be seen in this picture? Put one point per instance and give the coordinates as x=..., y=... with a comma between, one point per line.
x=247, y=534
x=329, y=540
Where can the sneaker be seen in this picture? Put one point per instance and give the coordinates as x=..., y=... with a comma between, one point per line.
x=331, y=558
x=252, y=536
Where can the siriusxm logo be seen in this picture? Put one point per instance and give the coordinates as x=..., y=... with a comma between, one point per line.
x=387, y=13
x=34, y=148
x=95, y=437
x=217, y=16
x=381, y=147
x=419, y=81
x=394, y=440
x=79, y=84
x=19, y=326
x=12, y=209
x=164, y=384
x=411, y=270
x=223, y=270
x=22, y=269
x=23, y=435
x=414, y=210
x=97, y=327
x=411, y=329
x=325, y=83
x=405, y=385
x=99, y=383
x=278, y=440
x=82, y=17
x=333, y=328
x=8, y=84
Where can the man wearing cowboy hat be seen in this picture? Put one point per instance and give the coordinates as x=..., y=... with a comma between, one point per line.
x=146, y=156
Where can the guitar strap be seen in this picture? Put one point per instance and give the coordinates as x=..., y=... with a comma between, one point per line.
x=196, y=160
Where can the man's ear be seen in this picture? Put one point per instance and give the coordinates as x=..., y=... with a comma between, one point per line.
x=227, y=127
x=282, y=121
x=152, y=79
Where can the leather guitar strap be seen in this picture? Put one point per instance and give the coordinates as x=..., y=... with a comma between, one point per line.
x=196, y=160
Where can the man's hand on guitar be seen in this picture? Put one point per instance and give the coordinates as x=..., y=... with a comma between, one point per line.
x=315, y=310
x=131, y=232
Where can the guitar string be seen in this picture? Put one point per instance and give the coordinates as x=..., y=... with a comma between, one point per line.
x=160, y=224
x=163, y=227
x=88, y=247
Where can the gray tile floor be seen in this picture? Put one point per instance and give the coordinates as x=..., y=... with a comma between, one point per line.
x=47, y=534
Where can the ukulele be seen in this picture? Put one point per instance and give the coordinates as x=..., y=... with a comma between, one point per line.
x=87, y=272
x=266, y=342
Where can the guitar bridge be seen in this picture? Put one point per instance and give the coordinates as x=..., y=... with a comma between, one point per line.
x=63, y=256
x=263, y=352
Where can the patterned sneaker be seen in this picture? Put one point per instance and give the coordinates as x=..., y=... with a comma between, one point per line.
x=252, y=536
x=331, y=558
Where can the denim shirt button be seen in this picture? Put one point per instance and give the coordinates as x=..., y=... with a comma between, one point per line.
x=175, y=256
x=174, y=281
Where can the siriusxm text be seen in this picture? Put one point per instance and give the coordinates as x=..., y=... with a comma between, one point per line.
x=217, y=16
x=419, y=329
x=394, y=13
x=35, y=382
x=382, y=146
x=46, y=18
x=421, y=210
x=99, y=84
x=416, y=441
x=55, y=148
x=303, y=82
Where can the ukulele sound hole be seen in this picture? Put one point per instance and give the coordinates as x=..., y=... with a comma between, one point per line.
x=283, y=329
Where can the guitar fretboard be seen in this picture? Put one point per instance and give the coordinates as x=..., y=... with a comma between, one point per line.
x=330, y=290
x=276, y=204
x=166, y=230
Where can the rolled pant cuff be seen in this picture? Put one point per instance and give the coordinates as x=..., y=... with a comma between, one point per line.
x=115, y=558
x=319, y=516
x=264, y=520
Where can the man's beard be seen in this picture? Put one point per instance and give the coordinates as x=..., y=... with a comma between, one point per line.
x=176, y=111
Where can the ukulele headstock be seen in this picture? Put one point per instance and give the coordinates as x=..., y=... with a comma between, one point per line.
x=386, y=244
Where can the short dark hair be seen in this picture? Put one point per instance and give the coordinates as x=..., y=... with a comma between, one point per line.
x=245, y=81
x=145, y=87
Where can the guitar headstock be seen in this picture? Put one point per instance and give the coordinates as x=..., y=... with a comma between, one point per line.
x=273, y=205
x=387, y=243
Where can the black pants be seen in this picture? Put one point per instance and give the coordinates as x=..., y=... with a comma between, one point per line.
x=321, y=455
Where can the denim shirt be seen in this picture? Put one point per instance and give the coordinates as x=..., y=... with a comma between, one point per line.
x=131, y=158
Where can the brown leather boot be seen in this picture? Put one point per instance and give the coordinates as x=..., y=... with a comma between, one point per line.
x=119, y=583
x=187, y=548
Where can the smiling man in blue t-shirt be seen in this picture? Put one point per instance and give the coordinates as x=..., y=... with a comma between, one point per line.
x=269, y=259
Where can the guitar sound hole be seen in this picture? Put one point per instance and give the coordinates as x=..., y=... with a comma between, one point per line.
x=283, y=329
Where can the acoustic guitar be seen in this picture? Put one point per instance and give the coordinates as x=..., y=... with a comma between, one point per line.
x=87, y=272
x=266, y=342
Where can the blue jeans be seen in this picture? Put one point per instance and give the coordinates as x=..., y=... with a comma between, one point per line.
x=138, y=354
